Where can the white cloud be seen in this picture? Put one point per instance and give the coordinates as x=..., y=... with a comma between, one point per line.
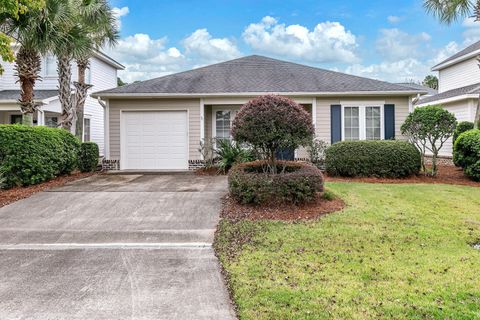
x=205, y=49
x=396, y=71
x=472, y=31
x=394, y=44
x=394, y=19
x=327, y=42
x=146, y=58
x=119, y=13
x=401, y=70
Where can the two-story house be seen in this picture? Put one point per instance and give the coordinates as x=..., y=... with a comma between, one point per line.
x=102, y=74
x=459, y=87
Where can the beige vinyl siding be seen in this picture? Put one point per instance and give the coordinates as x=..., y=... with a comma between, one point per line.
x=191, y=105
x=459, y=75
x=463, y=111
x=323, y=128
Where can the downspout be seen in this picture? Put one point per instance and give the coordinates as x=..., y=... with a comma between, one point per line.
x=106, y=134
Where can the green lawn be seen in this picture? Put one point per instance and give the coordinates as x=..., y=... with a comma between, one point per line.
x=395, y=252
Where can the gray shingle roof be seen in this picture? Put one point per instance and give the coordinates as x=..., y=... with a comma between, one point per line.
x=467, y=50
x=429, y=91
x=256, y=74
x=39, y=94
x=471, y=89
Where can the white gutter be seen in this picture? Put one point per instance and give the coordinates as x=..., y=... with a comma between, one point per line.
x=250, y=94
x=448, y=100
x=454, y=61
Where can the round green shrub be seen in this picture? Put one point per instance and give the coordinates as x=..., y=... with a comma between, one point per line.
x=295, y=183
x=466, y=150
x=31, y=155
x=473, y=171
x=388, y=158
x=462, y=127
x=88, y=157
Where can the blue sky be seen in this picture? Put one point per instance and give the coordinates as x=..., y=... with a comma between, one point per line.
x=389, y=40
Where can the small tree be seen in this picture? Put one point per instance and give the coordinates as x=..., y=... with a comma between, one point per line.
x=429, y=128
x=269, y=123
x=431, y=82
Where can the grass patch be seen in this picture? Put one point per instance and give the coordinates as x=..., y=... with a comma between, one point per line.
x=396, y=251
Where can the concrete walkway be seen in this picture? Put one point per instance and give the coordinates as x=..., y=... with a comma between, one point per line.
x=114, y=247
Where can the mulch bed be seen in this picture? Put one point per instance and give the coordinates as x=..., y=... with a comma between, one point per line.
x=213, y=171
x=446, y=175
x=11, y=195
x=285, y=212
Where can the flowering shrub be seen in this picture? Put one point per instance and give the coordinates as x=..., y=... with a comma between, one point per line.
x=296, y=182
x=269, y=123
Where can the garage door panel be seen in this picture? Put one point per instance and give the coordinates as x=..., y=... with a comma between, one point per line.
x=155, y=140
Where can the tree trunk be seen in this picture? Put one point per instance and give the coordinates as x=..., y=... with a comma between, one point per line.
x=65, y=92
x=27, y=69
x=80, y=97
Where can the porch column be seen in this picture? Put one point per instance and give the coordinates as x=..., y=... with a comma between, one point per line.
x=314, y=113
x=40, y=117
x=202, y=122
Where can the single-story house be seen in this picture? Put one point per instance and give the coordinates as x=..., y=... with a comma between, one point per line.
x=159, y=123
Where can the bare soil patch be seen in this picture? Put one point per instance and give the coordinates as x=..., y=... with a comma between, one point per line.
x=11, y=195
x=233, y=210
x=446, y=175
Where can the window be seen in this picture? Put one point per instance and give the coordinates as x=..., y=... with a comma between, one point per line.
x=352, y=123
x=86, y=130
x=16, y=119
x=373, y=123
x=51, y=122
x=362, y=122
x=222, y=124
x=88, y=76
x=50, y=66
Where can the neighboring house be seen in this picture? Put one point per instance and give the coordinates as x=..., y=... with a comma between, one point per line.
x=459, y=87
x=102, y=75
x=159, y=123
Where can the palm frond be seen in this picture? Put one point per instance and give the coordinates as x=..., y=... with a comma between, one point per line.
x=449, y=11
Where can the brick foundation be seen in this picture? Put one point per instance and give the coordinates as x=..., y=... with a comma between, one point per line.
x=110, y=165
x=195, y=164
x=443, y=161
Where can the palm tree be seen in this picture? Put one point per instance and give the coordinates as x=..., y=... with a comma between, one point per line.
x=98, y=22
x=32, y=35
x=70, y=41
x=448, y=11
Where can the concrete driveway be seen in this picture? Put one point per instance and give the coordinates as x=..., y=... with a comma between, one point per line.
x=114, y=247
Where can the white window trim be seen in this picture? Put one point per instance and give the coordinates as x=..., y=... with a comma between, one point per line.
x=89, y=117
x=44, y=67
x=362, y=117
x=233, y=111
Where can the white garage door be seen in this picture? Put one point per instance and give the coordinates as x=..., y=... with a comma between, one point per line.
x=154, y=140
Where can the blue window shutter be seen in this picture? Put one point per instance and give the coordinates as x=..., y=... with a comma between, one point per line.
x=389, y=113
x=336, y=122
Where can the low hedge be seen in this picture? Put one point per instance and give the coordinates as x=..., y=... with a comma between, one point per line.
x=466, y=153
x=88, y=157
x=31, y=155
x=386, y=158
x=297, y=183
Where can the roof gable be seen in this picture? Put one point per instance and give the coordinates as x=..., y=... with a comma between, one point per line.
x=256, y=74
x=458, y=56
